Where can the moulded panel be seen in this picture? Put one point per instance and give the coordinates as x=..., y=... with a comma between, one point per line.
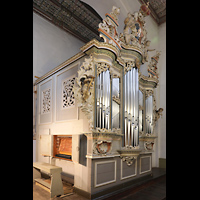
x=145, y=164
x=66, y=108
x=128, y=171
x=45, y=145
x=105, y=173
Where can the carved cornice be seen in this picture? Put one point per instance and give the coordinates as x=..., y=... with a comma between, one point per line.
x=100, y=45
x=104, y=133
x=147, y=138
x=132, y=49
x=148, y=83
x=97, y=47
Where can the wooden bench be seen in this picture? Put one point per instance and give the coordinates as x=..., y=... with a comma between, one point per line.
x=56, y=186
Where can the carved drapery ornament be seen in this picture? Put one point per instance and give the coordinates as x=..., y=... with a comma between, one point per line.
x=84, y=91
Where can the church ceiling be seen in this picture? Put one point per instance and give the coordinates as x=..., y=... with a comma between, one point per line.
x=158, y=10
x=73, y=16
x=81, y=20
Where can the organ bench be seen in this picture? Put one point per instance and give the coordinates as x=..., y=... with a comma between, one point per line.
x=56, y=186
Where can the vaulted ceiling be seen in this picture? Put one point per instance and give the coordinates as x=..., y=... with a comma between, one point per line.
x=81, y=20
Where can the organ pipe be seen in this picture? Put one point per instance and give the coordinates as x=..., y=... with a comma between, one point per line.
x=149, y=114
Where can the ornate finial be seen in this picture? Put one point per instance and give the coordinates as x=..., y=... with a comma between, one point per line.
x=108, y=29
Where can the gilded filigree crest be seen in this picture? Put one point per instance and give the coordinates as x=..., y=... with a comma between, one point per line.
x=68, y=99
x=46, y=101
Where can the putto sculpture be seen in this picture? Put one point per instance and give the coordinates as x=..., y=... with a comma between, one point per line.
x=134, y=33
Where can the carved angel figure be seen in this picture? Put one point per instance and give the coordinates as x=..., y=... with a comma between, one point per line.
x=115, y=12
x=86, y=83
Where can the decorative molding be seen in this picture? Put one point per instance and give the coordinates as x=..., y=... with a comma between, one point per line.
x=102, y=156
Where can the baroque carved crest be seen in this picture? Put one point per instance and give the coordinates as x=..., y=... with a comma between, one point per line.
x=148, y=145
x=102, y=147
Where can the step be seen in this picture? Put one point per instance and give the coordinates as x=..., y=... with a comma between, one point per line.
x=43, y=183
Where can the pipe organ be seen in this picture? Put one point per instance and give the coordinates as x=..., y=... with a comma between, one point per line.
x=113, y=115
